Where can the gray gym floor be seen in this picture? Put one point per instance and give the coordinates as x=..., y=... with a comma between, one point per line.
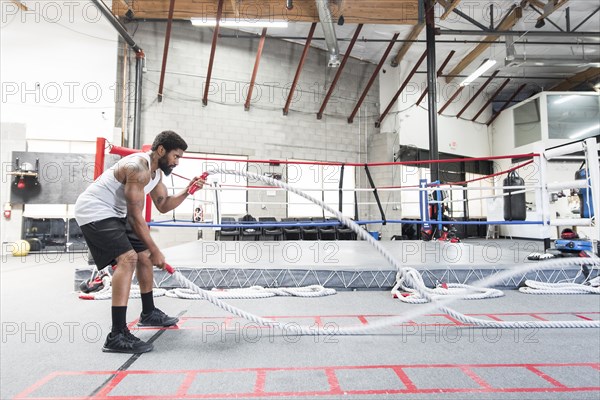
x=51, y=346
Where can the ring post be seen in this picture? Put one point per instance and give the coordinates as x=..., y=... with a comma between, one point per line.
x=591, y=151
x=543, y=198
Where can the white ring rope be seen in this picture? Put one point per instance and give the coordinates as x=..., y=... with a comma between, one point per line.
x=362, y=329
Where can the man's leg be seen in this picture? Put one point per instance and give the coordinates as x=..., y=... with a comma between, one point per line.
x=151, y=316
x=120, y=340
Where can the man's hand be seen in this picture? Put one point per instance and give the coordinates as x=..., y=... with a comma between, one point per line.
x=195, y=184
x=158, y=259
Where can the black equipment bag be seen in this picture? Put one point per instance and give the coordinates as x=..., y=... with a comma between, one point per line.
x=514, y=204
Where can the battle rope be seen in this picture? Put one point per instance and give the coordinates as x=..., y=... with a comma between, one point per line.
x=363, y=234
x=106, y=292
x=458, y=290
x=535, y=287
x=255, y=292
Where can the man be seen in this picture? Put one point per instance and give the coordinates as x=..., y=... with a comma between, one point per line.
x=110, y=214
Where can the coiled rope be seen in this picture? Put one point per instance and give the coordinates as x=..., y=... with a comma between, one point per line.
x=419, y=288
x=457, y=290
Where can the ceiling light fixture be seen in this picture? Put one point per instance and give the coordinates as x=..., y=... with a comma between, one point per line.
x=585, y=131
x=487, y=64
x=234, y=23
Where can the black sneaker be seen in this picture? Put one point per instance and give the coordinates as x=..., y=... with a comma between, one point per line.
x=125, y=342
x=157, y=318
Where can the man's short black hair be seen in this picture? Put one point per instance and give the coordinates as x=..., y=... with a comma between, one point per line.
x=170, y=141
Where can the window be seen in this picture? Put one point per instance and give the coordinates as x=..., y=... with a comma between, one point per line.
x=321, y=182
x=528, y=128
x=573, y=116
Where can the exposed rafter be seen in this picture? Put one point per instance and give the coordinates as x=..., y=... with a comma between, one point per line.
x=449, y=6
x=506, y=104
x=372, y=79
x=213, y=49
x=21, y=6
x=439, y=73
x=311, y=32
x=163, y=69
x=577, y=79
x=481, y=89
x=413, y=35
x=491, y=99
x=339, y=71
x=392, y=12
x=261, y=45
x=509, y=21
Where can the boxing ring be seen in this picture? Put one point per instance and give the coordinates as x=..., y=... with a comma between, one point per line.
x=351, y=264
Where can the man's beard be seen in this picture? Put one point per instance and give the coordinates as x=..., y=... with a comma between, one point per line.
x=163, y=164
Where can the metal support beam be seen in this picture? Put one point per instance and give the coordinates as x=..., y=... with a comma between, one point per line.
x=586, y=19
x=299, y=69
x=137, y=118
x=166, y=51
x=434, y=168
x=439, y=73
x=506, y=103
x=213, y=48
x=117, y=25
x=471, y=20
x=261, y=45
x=402, y=87
x=372, y=79
x=546, y=18
x=509, y=21
x=491, y=99
x=481, y=89
x=571, y=34
x=338, y=73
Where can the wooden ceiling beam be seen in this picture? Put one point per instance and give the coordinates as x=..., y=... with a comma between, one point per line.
x=507, y=24
x=448, y=5
x=392, y=12
x=577, y=79
x=413, y=35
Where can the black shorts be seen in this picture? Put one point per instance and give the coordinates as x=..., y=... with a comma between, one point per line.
x=109, y=238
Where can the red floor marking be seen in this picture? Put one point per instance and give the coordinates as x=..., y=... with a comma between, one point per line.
x=545, y=376
x=410, y=386
x=334, y=384
x=538, y=317
x=330, y=372
x=479, y=380
x=364, y=319
x=186, y=384
x=261, y=377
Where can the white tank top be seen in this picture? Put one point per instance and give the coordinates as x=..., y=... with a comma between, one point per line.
x=105, y=197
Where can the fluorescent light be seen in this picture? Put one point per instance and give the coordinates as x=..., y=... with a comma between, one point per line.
x=565, y=99
x=585, y=131
x=478, y=72
x=239, y=23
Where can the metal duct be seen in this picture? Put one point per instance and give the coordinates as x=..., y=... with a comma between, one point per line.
x=522, y=60
x=329, y=32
